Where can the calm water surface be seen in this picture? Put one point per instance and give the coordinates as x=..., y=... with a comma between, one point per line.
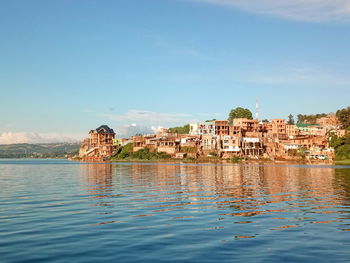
x=59, y=211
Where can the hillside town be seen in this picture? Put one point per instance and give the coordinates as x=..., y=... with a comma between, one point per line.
x=243, y=138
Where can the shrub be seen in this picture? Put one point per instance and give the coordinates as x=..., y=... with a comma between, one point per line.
x=142, y=154
x=125, y=152
x=236, y=159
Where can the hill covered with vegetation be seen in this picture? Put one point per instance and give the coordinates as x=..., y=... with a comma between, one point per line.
x=51, y=150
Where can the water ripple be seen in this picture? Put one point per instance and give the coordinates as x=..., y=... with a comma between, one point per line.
x=60, y=211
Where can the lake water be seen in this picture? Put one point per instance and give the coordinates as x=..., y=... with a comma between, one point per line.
x=59, y=211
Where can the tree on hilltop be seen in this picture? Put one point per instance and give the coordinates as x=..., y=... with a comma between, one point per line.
x=239, y=113
x=180, y=130
x=310, y=119
x=291, y=119
x=344, y=117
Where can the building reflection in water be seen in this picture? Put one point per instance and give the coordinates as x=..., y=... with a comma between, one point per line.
x=245, y=190
x=97, y=179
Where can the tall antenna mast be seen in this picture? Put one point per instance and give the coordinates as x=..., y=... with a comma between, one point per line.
x=257, y=110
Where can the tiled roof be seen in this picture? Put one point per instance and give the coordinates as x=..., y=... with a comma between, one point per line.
x=104, y=129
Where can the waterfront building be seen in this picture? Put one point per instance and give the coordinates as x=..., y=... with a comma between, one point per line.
x=99, y=145
x=252, y=147
x=209, y=143
x=102, y=136
x=230, y=146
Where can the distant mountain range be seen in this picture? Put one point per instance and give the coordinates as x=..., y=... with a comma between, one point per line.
x=50, y=150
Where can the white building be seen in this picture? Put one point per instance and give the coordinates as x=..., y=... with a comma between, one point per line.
x=202, y=128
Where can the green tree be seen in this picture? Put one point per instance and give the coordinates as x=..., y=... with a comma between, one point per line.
x=311, y=119
x=240, y=113
x=300, y=118
x=344, y=117
x=180, y=130
x=341, y=146
x=291, y=119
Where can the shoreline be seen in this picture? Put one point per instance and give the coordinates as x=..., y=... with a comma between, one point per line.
x=219, y=162
x=182, y=161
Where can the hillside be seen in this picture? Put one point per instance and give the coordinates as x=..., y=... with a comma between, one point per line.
x=51, y=150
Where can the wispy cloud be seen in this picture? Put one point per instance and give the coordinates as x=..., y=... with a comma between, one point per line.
x=148, y=116
x=32, y=137
x=298, y=10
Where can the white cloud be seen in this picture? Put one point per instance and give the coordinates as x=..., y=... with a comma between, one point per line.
x=156, y=129
x=148, y=116
x=298, y=10
x=31, y=137
x=129, y=130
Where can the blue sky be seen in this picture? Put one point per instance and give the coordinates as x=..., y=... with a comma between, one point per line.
x=68, y=66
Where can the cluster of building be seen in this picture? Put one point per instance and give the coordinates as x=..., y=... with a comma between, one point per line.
x=274, y=140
